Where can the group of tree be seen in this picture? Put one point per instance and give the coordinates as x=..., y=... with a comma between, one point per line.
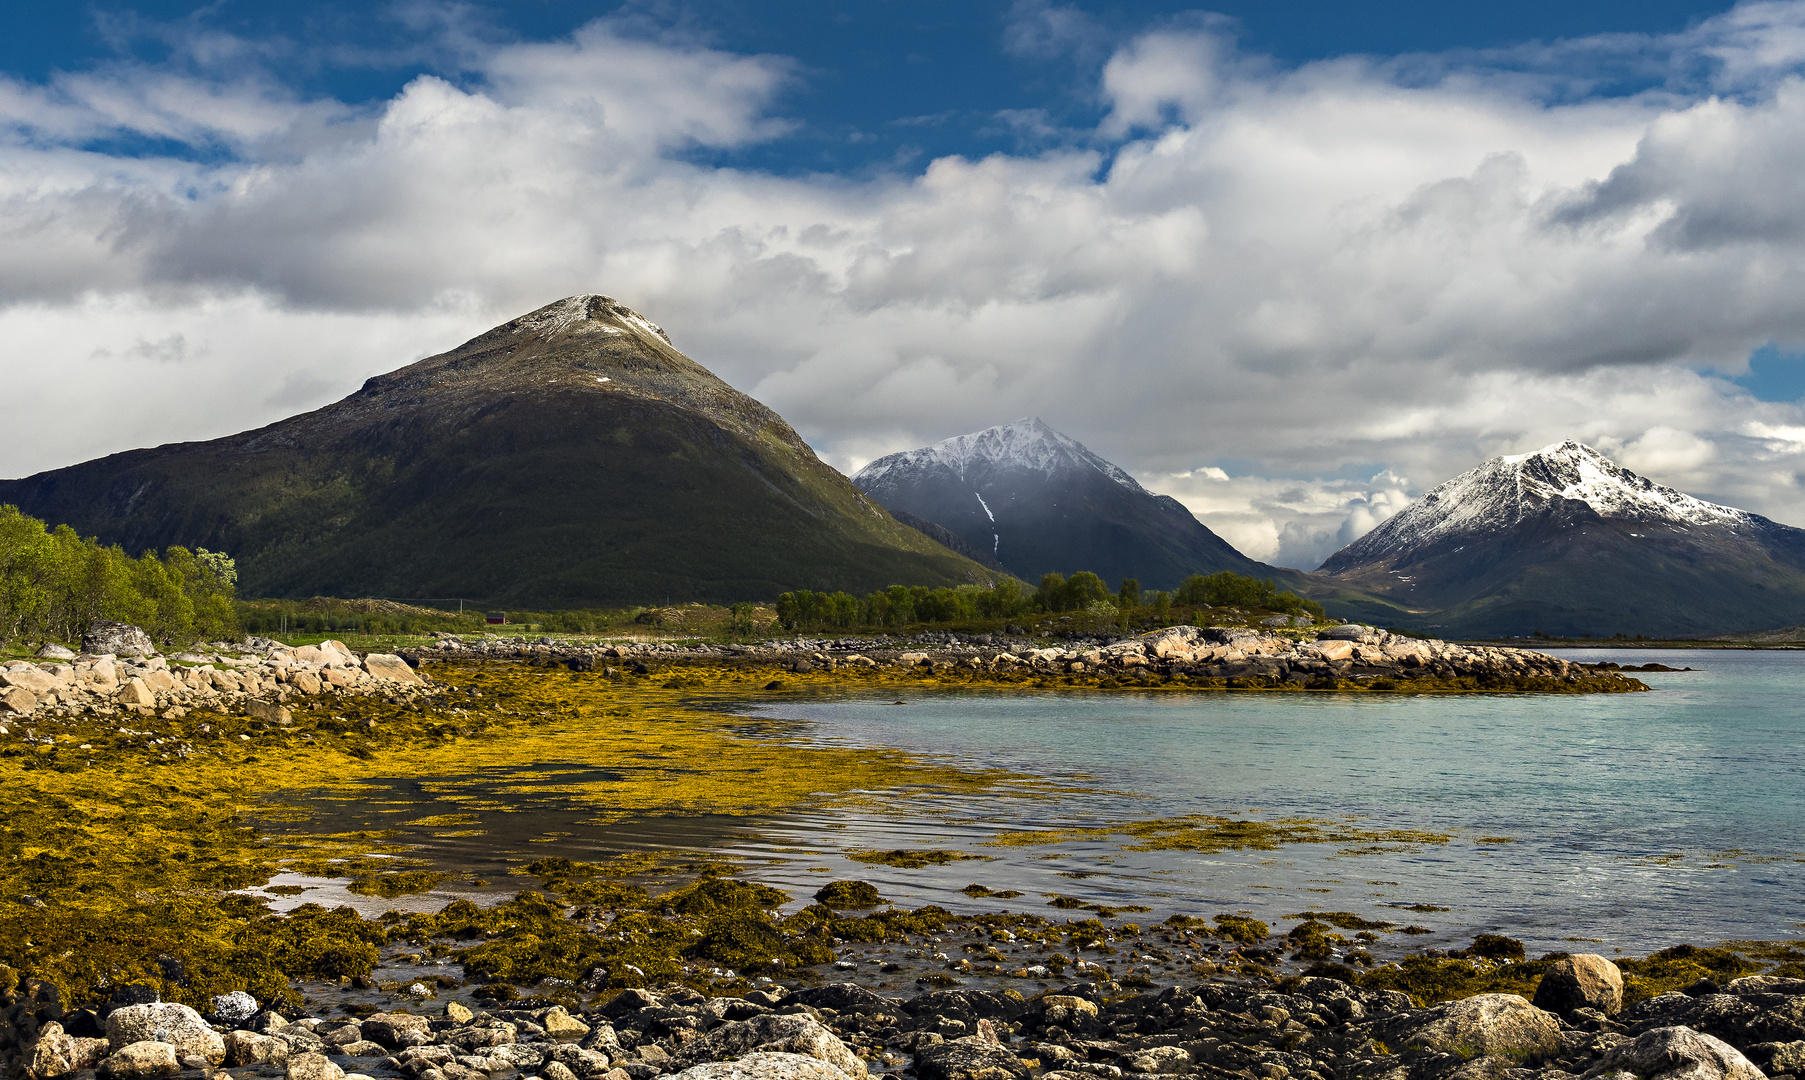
x=55, y=584
x=905, y=605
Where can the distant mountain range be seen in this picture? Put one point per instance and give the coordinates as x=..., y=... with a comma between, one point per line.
x=1037, y=501
x=569, y=458
x=1567, y=542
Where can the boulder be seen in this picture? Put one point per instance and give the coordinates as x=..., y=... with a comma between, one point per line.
x=1776, y=1058
x=1583, y=981
x=456, y=1013
x=134, y=692
x=28, y=677
x=840, y=997
x=268, y=712
x=764, y=1065
x=52, y=1055
x=560, y=1026
x=118, y=639
x=1344, y=632
x=970, y=1058
x=18, y=700
x=788, y=1034
x=53, y=651
x=250, y=1048
x=234, y=1008
x=313, y=1067
x=391, y=667
x=166, y=1021
x=1159, y=1059
x=1502, y=1024
x=139, y=1059
x=398, y=1031
x=1677, y=1053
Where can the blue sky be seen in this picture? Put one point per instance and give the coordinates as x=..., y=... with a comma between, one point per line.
x=879, y=83
x=1292, y=263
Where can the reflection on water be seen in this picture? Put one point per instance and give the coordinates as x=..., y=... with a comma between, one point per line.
x=1630, y=820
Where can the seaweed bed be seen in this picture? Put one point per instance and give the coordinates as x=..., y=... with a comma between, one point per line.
x=122, y=850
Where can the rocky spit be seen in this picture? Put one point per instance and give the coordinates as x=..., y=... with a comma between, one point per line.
x=1350, y=651
x=119, y=671
x=1304, y=1028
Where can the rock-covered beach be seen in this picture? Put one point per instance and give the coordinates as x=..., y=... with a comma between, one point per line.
x=137, y=942
x=1575, y=1024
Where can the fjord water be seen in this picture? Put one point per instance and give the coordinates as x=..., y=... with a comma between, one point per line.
x=1634, y=821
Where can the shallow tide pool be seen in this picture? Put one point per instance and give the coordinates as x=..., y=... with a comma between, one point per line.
x=1628, y=822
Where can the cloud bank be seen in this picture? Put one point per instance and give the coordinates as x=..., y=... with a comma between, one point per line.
x=1293, y=297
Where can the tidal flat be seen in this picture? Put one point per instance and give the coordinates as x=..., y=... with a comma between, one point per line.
x=123, y=865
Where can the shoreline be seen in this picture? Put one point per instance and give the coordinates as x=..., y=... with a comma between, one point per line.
x=146, y=905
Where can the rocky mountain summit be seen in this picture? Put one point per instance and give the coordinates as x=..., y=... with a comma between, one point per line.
x=1565, y=541
x=571, y=457
x=1039, y=501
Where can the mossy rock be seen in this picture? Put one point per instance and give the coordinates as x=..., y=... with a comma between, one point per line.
x=849, y=895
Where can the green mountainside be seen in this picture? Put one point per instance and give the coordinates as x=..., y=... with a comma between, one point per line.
x=569, y=458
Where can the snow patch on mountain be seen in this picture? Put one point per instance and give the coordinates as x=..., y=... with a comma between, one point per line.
x=1028, y=445
x=1507, y=490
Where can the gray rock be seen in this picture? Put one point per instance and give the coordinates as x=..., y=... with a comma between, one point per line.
x=1583, y=981
x=119, y=639
x=140, y=1059
x=970, y=1058
x=1775, y=1058
x=764, y=1065
x=400, y=1030
x=53, y=651
x=1677, y=1053
x=560, y=1026
x=250, y=1048
x=776, y=1033
x=1486, y=1024
x=165, y=1021
x=234, y=1008
x=392, y=668
x=313, y=1067
x=1344, y=632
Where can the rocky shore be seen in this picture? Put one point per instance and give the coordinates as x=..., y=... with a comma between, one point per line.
x=1224, y=1028
x=119, y=671
x=1349, y=653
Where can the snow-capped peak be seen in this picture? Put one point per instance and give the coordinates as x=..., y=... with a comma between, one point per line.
x=1027, y=445
x=588, y=313
x=1506, y=490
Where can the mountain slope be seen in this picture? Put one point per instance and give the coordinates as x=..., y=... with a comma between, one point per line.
x=1039, y=501
x=571, y=457
x=1565, y=541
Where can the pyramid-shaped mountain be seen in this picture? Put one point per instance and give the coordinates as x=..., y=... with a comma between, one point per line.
x=1565, y=541
x=569, y=458
x=1038, y=501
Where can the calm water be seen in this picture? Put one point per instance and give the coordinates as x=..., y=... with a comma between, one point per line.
x=1635, y=821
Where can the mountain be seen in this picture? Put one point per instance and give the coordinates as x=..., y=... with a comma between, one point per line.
x=1565, y=541
x=1038, y=501
x=572, y=457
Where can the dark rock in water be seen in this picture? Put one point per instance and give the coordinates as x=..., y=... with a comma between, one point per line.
x=840, y=997
x=1584, y=981
x=120, y=639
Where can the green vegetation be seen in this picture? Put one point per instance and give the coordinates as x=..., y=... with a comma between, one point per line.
x=1083, y=594
x=54, y=584
x=1233, y=590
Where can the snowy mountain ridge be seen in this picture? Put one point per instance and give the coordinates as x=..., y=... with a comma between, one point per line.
x=1027, y=445
x=1507, y=490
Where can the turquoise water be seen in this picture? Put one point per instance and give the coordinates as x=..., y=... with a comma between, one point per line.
x=1636, y=821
